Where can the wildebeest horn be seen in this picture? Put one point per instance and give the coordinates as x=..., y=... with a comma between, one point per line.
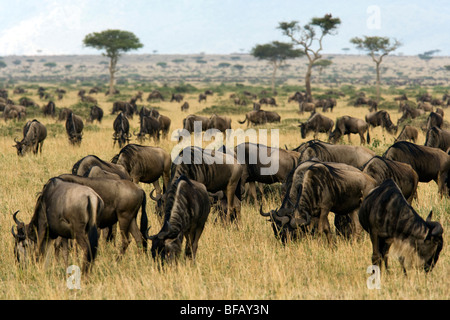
x=17, y=221
x=148, y=236
x=157, y=198
x=16, y=141
x=435, y=227
x=264, y=214
x=300, y=222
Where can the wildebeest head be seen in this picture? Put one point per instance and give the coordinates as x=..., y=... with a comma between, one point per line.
x=166, y=244
x=432, y=245
x=24, y=239
x=22, y=147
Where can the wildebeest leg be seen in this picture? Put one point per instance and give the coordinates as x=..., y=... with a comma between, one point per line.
x=252, y=193
x=324, y=226
x=362, y=140
x=402, y=263
x=62, y=244
x=136, y=233
x=193, y=243
x=83, y=242
x=157, y=187
x=384, y=249
x=40, y=147
x=231, y=210
x=376, y=254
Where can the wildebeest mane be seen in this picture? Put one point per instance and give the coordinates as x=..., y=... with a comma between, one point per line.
x=409, y=148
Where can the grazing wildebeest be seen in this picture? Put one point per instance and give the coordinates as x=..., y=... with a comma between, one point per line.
x=63, y=114
x=381, y=118
x=123, y=106
x=298, y=96
x=121, y=128
x=403, y=174
x=34, y=134
x=122, y=200
x=326, y=187
x=346, y=125
x=220, y=123
x=155, y=94
x=260, y=117
x=429, y=163
x=148, y=125
x=145, y=164
x=164, y=124
x=176, y=97
x=49, y=109
x=185, y=106
x=391, y=221
x=438, y=138
x=316, y=123
x=409, y=113
x=268, y=101
x=82, y=166
x=74, y=128
x=408, y=133
x=305, y=106
x=186, y=210
x=216, y=170
x=355, y=156
x=264, y=164
x=403, y=97
x=434, y=120
x=201, y=97
x=96, y=114
x=189, y=122
x=14, y=111
x=63, y=209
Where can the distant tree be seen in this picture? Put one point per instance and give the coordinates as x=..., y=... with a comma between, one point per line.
x=50, y=65
x=115, y=42
x=224, y=65
x=309, y=38
x=322, y=64
x=427, y=55
x=276, y=53
x=68, y=67
x=3, y=64
x=377, y=48
x=17, y=62
x=447, y=67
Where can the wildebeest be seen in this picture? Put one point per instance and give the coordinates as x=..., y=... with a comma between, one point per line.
x=316, y=123
x=125, y=107
x=438, y=138
x=403, y=174
x=34, y=134
x=429, y=163
x=185, y=106
x=148, y=125
x=381, y=118
x=122, y=201
x=201, y=97
x=305, y=106
x=186, y=210
x=82, y=167
x=176, y=97
x=260, y=117
x=220, y=123
x=145, y=164
x=64, y=113
x=121, y=128
x=391, y=221
x=264, y=164
x=268, y=101
x=408, y=133
x=189, y=122
x=346, y=125
x=49, y=109
x=434, y=120
x=216, y=170
x=74, y=128
x=355, y=156
x=66, y=210
x=12, y=111
x=409, y=113
x=155, y=94
x=96, y=113
x=326, y=187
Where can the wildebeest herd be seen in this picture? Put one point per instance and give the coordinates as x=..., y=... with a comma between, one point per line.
x=363, y=190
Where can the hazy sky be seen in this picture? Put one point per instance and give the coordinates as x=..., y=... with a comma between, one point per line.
x=30, y=27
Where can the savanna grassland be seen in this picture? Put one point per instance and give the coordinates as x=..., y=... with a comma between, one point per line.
x=244, y=262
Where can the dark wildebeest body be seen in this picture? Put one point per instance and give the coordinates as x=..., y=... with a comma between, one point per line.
x=82, y=167
x=429, y=163
x=326, y=187
x=305, y=106
x=186, y=210
x=164, y=125
x=185, y=106
x=148, y=125
x=155, y=94
x=121, y=128
x=216, y=170
x=49, y=109
x=220, y=123
x=74, y=128
x=434, y=120
x=346, y=125
x=123, y=106
x=66, y=210
x=256, y=117
x=316, y=123
x=34, y=134
x=381, y=118
x=96, y=114
x=14, y=111
x=122, y=200
x=403, y=174
x=355, y=156
x=409, y=113
x=391, y=221
x=438, y=138
x=145, y=164
x=189, y=122
x=264, y=164
x=177, y=97
x=408, y=133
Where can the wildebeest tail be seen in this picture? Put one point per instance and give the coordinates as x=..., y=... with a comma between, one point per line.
x=95, y=212
x=242, y=122
x=368, y=136
x=238, y=192
x=144, y=220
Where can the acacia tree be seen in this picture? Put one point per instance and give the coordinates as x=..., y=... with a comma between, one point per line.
x=115, y=42
x=377, y=48
x=309, y=38
x=276, y=53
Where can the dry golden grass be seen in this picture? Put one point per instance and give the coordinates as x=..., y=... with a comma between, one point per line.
x=232, y=263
